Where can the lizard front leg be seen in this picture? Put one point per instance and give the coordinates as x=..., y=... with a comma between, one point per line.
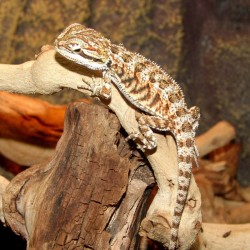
x=98, y=88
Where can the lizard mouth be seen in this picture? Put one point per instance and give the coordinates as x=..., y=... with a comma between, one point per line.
x=84, y=60
x=90, y=58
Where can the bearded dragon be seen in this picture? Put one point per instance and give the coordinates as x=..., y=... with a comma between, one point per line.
x=148, y=89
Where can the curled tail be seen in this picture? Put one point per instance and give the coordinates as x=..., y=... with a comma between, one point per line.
x=186, y=151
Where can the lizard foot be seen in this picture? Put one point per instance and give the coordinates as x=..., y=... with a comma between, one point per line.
x=146, y=141
x=97, y=88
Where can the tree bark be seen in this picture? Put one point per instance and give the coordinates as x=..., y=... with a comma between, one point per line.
x=85, y=197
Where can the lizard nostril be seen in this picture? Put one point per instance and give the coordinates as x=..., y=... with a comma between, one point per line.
x=109, y=63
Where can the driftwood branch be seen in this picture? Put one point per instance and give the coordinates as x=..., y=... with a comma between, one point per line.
x=218, y=136
x=50, y=73
x=223, y=236
x=31, y=120
x=46, y=75
x=29, y=128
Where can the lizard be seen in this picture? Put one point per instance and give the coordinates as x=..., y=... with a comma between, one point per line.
x=149, y=89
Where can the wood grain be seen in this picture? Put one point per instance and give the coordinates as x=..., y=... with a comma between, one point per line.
x=30, y=120
x=78, y=199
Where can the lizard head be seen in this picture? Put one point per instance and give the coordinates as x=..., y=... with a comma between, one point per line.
x=84, y=46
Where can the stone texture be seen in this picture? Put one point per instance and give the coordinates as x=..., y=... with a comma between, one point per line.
x=204, y=44
x=215, y=66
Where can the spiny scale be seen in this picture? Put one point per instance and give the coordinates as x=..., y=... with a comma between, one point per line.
x=148, y=88
x=146, y=85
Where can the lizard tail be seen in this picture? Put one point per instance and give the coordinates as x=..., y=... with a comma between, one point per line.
x=185, y=155
x=187, y=151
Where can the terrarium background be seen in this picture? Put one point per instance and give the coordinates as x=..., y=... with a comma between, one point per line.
x=204, y=44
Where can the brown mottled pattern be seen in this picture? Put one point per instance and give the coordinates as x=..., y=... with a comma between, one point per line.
x=180, y=112
x=141, y=91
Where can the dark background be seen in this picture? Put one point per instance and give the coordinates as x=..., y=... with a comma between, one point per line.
x=203, y=44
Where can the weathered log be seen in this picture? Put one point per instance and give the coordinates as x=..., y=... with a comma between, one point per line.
x=84, y=197
x=3, y=184
x=217, y=176
x=217, y=136
x=223, y=236
x=210, y=213
x=23, y=153
x=239, y=214
x=30, y=120
x=230, y=153
x=221, y=170
x=245, y=193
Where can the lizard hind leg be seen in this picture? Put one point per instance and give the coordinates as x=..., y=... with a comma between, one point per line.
x=194, y=113
x=145, y=138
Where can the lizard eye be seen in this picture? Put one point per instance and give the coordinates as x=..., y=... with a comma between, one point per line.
x=75, y=48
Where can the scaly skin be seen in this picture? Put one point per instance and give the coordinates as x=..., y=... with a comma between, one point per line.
x=149, y=89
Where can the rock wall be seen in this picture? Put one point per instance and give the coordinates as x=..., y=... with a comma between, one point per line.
x=204, y=44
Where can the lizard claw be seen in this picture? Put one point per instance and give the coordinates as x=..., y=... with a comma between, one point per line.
x=96, y=88
x=86, y=86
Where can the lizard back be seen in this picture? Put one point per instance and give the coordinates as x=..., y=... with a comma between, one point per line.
x=146, y=85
